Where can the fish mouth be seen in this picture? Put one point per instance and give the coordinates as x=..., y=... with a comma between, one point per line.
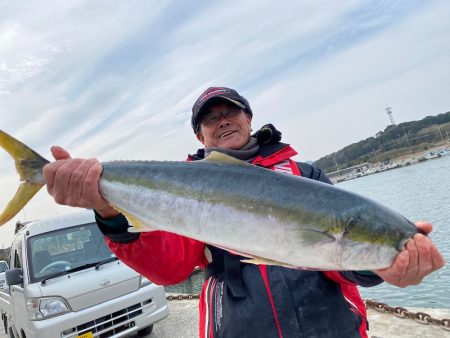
x=401, y=245
x=227, y=133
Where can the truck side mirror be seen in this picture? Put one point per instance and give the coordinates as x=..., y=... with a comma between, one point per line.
x=14, y=276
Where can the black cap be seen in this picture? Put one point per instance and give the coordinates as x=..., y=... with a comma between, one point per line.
x=214, y=95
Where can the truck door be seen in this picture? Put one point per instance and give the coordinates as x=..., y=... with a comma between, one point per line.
x=18, y=300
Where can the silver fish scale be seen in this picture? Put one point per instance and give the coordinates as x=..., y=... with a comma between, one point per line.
x=292, y=220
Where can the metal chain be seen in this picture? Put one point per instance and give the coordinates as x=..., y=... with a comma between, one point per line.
x=421, y=317
x=186, y=296
x=183, y=297
x=401, y=312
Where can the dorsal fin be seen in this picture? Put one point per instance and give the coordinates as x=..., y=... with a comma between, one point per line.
x=218, y=157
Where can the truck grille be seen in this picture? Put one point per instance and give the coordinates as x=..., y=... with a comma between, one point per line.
x=110, y=324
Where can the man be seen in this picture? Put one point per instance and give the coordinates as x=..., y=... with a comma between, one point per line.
x=241, y=300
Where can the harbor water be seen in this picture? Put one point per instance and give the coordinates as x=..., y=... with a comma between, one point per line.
x=419, y=192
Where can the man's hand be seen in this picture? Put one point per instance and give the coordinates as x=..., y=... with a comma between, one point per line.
x=419, y=259
x=74, y=182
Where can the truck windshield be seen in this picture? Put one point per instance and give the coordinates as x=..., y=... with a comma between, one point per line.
x=65, y=249
x=3, y=266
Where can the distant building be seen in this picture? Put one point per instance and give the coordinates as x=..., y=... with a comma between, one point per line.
x=350, y=170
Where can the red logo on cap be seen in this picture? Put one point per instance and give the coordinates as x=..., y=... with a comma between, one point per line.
x=210, y=92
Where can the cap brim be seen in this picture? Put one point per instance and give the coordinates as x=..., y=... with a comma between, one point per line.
x=237, y=103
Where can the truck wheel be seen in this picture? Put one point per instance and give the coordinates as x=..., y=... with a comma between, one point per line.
x=145, y=331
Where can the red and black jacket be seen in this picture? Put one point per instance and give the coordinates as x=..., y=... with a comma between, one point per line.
x=246, y=300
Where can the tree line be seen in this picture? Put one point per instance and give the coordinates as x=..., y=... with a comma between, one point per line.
x=4, y=254
x=394, y=141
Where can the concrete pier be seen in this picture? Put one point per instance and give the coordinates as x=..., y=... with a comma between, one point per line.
x=183, y=323
x=385, y=325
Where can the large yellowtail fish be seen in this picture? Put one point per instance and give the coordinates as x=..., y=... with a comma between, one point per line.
x=270, y=217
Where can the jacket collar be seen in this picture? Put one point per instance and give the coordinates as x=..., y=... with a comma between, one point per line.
x=274, y=153
x=268, y=154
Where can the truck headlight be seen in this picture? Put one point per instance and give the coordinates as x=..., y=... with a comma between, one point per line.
x=144, y=282
x=43, y=308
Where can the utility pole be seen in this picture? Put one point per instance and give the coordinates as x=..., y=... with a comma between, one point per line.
x=391, y=117
x=407, y=139
x=409, y=145
x=439, y=128
x=337, y=167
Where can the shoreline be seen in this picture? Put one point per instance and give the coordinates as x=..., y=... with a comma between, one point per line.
x=368, y=168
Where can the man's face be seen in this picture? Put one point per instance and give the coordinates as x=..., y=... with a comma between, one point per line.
x=225, y=126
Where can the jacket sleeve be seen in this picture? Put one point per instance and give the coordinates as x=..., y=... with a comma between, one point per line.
x=362, y=278
x=164, y=258
x=313, y=173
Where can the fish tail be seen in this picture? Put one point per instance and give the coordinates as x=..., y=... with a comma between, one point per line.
x=29, y=165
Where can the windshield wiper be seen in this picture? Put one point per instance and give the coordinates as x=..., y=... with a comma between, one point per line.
x=78, y=268
x=105, y=261
x=66, y=272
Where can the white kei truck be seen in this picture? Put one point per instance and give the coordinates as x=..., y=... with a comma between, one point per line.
x=64, y=282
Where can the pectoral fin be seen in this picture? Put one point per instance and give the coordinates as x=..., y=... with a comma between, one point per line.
x=311, y=237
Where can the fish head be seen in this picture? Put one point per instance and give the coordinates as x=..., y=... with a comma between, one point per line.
x=373, y=237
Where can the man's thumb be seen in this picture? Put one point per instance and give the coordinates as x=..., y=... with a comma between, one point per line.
x=60, y=153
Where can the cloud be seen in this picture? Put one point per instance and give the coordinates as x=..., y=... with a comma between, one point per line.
x=342, y=98
x=117, y=81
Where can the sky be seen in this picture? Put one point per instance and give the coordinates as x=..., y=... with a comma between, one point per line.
x=116, y=80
